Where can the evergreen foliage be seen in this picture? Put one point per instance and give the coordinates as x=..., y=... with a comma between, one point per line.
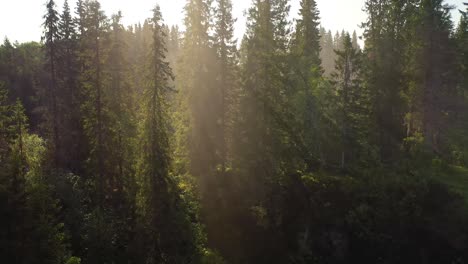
x=154, y=144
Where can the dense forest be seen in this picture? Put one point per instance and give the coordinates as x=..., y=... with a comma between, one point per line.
x=152, y=144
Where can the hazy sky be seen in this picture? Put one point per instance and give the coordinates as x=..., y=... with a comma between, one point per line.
x=20, y=20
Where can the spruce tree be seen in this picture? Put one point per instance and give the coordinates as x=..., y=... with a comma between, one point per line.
x=120, y=133
x=431, y=89
x=173, y=47
x=307, y=35
x=168, y=235
x=461, y=40
x=327, y=53
x=265, y=143
x=347, y=81
x=226, y=54
x=51, y=38
x=308, y=71
x=96, y=125
x=92, y=77
x=215, y=205
x=68, y=70
x=385, y=31
x=121, y=105
x=199, y=98
x=354, y=41
x=461, y=36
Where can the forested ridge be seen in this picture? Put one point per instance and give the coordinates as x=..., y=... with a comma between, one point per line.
x=152, y=144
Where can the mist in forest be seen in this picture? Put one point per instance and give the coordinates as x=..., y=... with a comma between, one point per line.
x=154, y=143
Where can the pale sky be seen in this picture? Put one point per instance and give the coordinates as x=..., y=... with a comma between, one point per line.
x=20, y=20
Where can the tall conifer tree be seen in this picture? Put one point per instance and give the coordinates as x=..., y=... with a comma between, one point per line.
x=51, y=38
x=168, y=236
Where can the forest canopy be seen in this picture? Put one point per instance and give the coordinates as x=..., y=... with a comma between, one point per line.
x=151, y=144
